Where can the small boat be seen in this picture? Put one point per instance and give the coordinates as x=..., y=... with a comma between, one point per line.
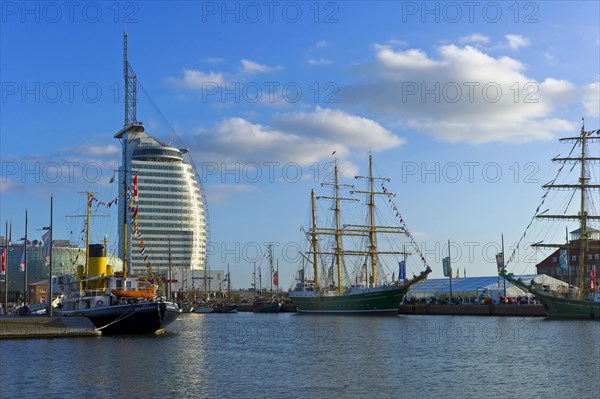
x=266, y=305
x=114, y=302
x=204, y=308
x=225, y=307
x=145, y=293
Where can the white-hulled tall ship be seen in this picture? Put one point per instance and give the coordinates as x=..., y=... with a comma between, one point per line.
x=367, y=295
x=582, y=300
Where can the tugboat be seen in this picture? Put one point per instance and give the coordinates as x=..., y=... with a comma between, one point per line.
x=114, y=302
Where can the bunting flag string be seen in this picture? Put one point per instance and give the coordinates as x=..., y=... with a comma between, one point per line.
x=131, y=197
x=536, y=213
x=403, y=224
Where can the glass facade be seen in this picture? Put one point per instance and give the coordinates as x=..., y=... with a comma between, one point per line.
x=170, y=207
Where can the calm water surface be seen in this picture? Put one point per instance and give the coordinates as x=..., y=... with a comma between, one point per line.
x=286, y=355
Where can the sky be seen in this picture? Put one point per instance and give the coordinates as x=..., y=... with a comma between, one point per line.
x=461, y=103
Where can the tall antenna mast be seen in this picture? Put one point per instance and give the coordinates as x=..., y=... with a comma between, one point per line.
x=130, y=87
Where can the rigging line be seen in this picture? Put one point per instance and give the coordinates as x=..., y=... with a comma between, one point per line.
x=537, y=209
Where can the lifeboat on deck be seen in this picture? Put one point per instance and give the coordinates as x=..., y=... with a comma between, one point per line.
x=147, y=293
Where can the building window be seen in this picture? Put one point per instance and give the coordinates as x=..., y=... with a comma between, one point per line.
x=574, y=257
x=554, y=259
x=596, y=256
x=590, y=256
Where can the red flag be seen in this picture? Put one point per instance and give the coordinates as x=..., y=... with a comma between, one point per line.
x=135, y=186
x=3, y=262
x=276, y=278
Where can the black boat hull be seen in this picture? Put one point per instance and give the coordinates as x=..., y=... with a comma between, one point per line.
x=139, y=318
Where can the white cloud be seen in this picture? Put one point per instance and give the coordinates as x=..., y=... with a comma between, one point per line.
x=322, y=44
x=413, y=58
x=195, y=79
x=320, y=61
x=6, y=185
x=301, y=137
x=517, y=41
x=218, y=193
x=462, y=95
x=352, y=130
x=591, y=100
x=253, y=67
x=94, y=150
x=475, y=38
x=212, y=60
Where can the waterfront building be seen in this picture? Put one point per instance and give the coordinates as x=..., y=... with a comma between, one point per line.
x=566, y=269
x=162, y=221
x=169, y=216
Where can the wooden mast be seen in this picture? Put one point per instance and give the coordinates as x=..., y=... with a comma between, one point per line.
x=583, y=236
x=314, y=239
x=337, y=234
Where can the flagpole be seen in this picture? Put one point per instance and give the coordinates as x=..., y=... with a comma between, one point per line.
x=25, y=261
x=50, y=268
x=6, y=270
x=504, y=278
x=450, y=264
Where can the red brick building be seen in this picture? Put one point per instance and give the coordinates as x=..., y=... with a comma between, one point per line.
x=570, y=272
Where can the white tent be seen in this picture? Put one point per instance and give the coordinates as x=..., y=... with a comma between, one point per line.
x=469, y=287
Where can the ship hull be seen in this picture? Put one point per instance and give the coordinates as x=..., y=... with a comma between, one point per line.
x=267, y=308
x=565, y=308
x=141, y=318
x=373, y=301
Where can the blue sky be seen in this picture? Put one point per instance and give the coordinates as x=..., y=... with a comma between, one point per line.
x=462, y=104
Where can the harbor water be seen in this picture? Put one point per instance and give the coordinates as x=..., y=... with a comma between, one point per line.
x=287, y=355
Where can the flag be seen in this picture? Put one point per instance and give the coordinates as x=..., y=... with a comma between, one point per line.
x=276, y=278
x=135, y=187
x=22, y=262
x=402, y=270
x=563, y=259
x=446, y=266
x=112, y=179
x=593, y=278
x=457, y=272
x=465, y=272
x=254, y=280
x=500, y=261
x=333, y=153
x=3, y=262
x=46, y=238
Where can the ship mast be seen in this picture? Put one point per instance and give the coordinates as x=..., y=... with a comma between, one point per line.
x=339, y=231
x=372, y=228
x=314, y=239
x=583, y=233
x=582, y=215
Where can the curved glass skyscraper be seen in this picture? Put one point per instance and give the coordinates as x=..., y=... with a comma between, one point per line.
x=169, y=208
x=165, y=224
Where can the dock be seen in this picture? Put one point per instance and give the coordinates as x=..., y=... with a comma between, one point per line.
x=46, y=327
x=474, y=310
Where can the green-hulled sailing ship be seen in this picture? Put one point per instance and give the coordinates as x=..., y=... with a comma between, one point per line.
x=368, y=293
x=581, y=300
